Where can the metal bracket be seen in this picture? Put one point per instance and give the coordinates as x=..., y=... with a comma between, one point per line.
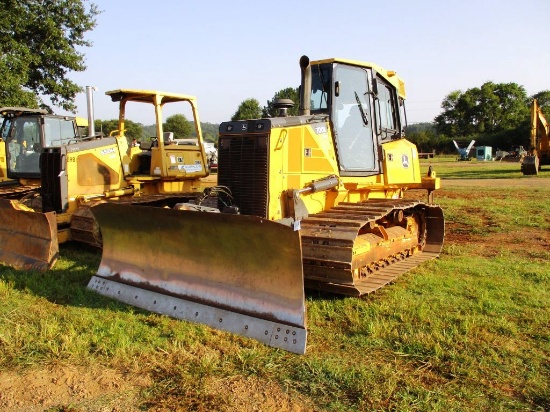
x=296, y=207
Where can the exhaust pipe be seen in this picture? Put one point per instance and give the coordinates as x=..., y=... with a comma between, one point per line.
x=305, y=87
x=90, y=103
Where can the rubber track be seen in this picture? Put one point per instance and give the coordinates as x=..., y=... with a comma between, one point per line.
x=16, y=191
x=335, y=230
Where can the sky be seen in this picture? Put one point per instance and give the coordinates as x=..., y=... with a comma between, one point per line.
x=224, y=52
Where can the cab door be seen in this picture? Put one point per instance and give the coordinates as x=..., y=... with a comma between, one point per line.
x=356, y=143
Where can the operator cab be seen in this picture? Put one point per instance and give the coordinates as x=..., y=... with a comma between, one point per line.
x=26, y=133
x=365, y=111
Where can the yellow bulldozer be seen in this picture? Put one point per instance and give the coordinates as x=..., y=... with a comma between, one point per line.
x=7, y=115
x=74, y=174
x=314, y=200
x=23, y=133
x=4, y=179
x=539, y=153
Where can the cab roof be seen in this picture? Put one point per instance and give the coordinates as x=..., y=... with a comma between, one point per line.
x=390, y=75
x=18, y=111
x=148, y=96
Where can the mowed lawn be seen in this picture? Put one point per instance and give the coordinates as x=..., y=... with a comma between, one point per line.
x=469, y=331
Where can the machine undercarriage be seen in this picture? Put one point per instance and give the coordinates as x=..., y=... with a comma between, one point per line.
x=357, y=248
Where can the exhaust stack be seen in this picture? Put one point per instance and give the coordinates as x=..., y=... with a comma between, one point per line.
x=305, y=88
x=90, y=103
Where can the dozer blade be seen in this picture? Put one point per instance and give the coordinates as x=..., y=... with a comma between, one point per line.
x=237, y=273
x=28, y=240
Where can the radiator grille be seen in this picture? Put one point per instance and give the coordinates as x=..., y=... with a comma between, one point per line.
x=50, y=167
x=243, y=167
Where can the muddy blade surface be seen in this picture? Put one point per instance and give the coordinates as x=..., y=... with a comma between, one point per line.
x=28, y=240
x=242, y=274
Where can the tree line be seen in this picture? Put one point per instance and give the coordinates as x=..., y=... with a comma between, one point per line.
x=178, y=124
x=183, y=128
x=251, y=109
x=494, y=114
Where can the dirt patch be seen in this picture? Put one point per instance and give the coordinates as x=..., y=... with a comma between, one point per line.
x=527, y=242
x=255, y=394
x=530, y=243
x=56, y=387
x=72, y=389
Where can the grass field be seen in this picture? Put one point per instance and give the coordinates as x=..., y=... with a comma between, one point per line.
x=469, y=331
x=449, y=168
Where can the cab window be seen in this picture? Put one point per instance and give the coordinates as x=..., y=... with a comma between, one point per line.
x=24, y=145
x=352, y=121
x=58, y=131
x=387, y=114
x=6, y=128
x=320, y=88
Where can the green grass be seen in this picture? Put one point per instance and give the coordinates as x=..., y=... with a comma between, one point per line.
x=497, y=210
x=448, y=168
x=467, y=332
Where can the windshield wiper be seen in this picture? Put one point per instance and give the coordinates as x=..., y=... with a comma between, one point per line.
x=324, y=93
x=363, y=114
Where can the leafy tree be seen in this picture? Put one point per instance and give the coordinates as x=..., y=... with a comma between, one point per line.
x=422, y=135
x=210, y=132
x=491, y=108
x=133, y=130
x=508, y=109
x=181, y=127
x=12, y=76
x=420, y=127
x=248, y=109
x=209, y=137
x=426, y=138
x=543, y=99
x=289, y=93
x=39, y=42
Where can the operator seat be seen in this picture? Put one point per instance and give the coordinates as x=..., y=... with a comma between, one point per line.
x=168, y=137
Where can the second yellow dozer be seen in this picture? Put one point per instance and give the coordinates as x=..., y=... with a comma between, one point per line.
x=23, y=134
x=75, y=174
x=314, y=200
x=4, y=179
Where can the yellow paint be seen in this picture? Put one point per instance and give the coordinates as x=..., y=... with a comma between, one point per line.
x=303, y=156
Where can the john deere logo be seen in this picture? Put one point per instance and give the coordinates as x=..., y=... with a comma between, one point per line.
x=405, y=161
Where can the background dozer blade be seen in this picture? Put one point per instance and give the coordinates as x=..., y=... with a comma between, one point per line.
x=435, y=230
x=237, y=273
x=28, y=240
